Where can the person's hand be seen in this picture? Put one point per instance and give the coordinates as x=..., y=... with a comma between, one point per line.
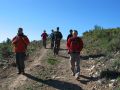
x=68, y=51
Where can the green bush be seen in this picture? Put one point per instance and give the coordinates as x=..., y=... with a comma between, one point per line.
x=101, y=41
x=52, y=61
x=116, y=65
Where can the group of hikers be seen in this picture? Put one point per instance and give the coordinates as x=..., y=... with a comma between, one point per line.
x=74, y=46
x=55, y=38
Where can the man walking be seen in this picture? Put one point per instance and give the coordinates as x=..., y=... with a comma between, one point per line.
x=20, y=42
x=52, y=39
x=75, y=45
x=70, y=35
x=44, y=36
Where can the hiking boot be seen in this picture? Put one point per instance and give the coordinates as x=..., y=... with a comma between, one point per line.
x=18, y=72
x=23, y=73
x=77, y=76
x=73, y=74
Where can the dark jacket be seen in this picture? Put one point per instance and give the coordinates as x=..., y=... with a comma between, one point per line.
x=69, y=36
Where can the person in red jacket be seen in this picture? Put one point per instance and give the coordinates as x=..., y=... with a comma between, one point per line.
x=75, y=45
x=20, y=42
x=44, y=36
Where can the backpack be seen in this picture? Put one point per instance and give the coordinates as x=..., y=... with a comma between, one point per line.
x=76, y=44
x=57, y=35
x=52, y=36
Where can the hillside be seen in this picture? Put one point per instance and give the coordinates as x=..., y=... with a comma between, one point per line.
x=100, y=65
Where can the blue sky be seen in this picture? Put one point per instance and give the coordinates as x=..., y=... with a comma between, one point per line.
x=36, y=15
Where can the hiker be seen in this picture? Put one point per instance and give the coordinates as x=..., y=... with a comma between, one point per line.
x=75, y=45
x=20, y=43
x=57, y=38
x=52, y=39
x=44, y=36
x=70, y=35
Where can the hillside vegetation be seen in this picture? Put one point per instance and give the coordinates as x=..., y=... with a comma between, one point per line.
x=7, y=56
x=101, y=41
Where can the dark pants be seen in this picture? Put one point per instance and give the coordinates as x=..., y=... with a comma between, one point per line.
x=44, y=43
x=56, y=46
x=52, y=44
x=20, y=58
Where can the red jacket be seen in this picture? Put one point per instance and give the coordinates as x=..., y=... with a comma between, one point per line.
x=20, y=43
x=44, y=36
x=74, y=44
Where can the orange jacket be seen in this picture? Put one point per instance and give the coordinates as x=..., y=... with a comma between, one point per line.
x=20, y=43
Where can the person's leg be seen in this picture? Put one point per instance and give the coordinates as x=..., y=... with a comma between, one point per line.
x=52, y=44
x=18, y=62
x=44, y=43
x=58, y=46
x=77, y=65
x=72, y=62
x=22, y=59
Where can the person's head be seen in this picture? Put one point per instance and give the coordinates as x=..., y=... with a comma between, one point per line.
x=71, y=31
x=57, y=29
x=75, y=33
x=52, y=30
x=20, y=31
x=44, y=31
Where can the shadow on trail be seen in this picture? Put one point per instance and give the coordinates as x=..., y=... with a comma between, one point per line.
x=91, y=56
x=48, y=48
x=61, y=85
x=88, y=79
x=64, y=56
x=63, y=49
x=108, y=74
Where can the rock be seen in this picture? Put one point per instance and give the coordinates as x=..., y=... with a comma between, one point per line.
x=90, y=69
x=111, y=85
x=54, y=76
x=101, y=81
x=90, y=58
x=113, y=80
x=96, y=74
x=101, y=58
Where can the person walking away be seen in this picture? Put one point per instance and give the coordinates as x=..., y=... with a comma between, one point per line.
x=75, y=45
x=44, y=36
x=58, y=36
x=20, y=43
x=52, y=39
x=70, y=35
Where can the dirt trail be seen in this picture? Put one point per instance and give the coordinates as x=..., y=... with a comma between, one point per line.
x=21, y=78
x=57, y=77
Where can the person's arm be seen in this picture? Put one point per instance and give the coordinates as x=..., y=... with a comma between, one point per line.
x=68, y=45
x=41, y=34
x=15, y=40
x=67, y=37
x=26, y=40
x=81, y=44
x=61, y=35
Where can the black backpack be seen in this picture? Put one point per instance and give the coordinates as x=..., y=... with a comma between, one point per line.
x=57, y=35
